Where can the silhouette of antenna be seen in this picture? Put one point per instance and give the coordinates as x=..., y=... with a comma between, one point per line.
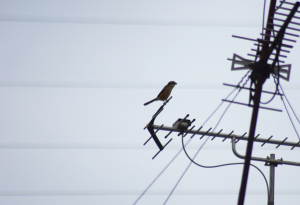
x=277, y=38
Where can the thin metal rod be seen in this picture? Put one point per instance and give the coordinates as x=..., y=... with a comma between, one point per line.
x=287, y=9
x=267, y=140
x=284, y=20
x=239, y=103
x=205, y=133
x=294, y=29
x=162, y=149
x=271, y=54
x=286, y=39
x=217, y=133
x=281, y=142
x=296, y=17
x=280, y=61
x=267, y=160
x=282, y=45
x=286, y=51
x=284, y=2
x=241, y=137
x=290, y=34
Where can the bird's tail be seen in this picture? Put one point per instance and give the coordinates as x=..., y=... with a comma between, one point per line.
x=151, y=101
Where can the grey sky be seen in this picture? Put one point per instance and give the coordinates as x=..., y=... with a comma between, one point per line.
x=75, y=75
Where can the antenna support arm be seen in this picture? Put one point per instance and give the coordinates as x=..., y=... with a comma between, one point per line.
x=267, y=160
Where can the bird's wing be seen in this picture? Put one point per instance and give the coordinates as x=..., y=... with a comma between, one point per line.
x=163, y=90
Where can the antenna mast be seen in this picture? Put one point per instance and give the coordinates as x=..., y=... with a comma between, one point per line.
x=262, y=74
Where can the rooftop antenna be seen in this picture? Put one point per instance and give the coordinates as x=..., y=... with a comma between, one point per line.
x=267, y=62
x=261, y=70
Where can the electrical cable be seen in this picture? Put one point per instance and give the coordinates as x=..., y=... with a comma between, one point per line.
x=274, y=94
x=206, y=139
x=289, y=103
x=290, y=118
x=221, y=165
x=143, y=193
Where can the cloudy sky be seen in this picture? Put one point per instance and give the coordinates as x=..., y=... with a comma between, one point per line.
x=73, y=79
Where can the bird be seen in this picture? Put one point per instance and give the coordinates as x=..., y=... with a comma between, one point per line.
x=164, y=93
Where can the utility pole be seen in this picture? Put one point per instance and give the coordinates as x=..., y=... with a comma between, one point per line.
x=262, y=68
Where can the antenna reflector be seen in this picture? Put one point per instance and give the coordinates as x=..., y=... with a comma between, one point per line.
x=284, y=71
x=240, y=63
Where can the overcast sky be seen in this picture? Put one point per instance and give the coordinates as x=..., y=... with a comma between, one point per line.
x=74, y=76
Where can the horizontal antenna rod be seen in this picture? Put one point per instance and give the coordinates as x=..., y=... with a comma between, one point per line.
x=240, y=87
x=251, y=105
x=216, y=134
x=275, y=161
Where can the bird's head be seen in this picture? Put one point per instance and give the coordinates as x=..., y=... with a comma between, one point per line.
x=172, y=83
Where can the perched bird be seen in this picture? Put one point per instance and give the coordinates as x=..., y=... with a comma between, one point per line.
x=165, y=93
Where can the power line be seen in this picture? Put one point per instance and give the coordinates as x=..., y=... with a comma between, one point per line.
x=290, y=118
x=289, y=103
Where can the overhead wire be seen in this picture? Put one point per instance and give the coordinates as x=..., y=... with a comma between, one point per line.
x=148, y=187
x=290, y=117
x=289, y=103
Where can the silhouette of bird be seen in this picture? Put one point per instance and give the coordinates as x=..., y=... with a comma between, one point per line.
x=165, y=93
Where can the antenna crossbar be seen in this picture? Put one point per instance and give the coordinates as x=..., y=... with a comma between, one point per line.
x=217, y=134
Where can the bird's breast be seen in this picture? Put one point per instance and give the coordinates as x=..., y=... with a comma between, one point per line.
x=166, y=93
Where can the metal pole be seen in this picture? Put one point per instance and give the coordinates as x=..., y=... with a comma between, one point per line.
x=271, y=182
x=260, y=80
